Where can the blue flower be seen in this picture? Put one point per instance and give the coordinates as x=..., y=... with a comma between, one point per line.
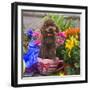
x=29, y=32
x=30, y=57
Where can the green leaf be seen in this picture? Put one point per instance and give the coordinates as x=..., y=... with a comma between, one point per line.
x=70, y=70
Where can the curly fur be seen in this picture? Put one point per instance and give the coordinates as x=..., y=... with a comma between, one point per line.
x=48, y=46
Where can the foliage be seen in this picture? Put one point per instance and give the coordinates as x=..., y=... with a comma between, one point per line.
x=73, y=60
x=61, y=22
x=70, y=53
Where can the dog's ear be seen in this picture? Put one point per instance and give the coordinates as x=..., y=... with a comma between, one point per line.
x=43, y=28
x=57, y=29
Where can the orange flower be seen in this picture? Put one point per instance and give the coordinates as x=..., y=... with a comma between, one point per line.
x=72, y=31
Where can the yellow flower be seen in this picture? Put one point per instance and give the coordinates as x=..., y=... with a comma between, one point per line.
x=61, y=74
x=70, y=43
x=76, y=36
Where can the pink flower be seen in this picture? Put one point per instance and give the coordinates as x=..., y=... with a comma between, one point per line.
x=59, y=41
x=38, y=42
x=36, y=34
x=61, y=34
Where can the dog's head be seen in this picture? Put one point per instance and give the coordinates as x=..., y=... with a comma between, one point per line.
x=48, y=31
x=49, y=27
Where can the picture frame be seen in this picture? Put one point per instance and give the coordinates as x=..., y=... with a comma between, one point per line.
x=24, y=15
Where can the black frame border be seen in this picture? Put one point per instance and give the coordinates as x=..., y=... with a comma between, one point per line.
x=14, y=43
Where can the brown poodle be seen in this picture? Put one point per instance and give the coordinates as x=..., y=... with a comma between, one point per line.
x=48, y=45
